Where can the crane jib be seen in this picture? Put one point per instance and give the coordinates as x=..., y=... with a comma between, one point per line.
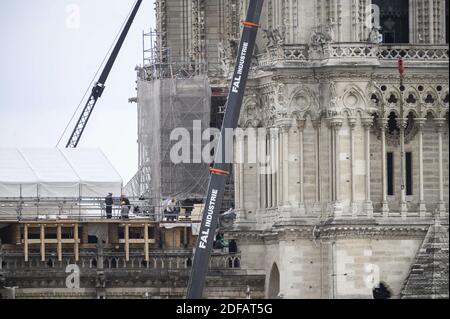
x=219, y=172
x=208, y=222
x=99, y=86
x=237, y=80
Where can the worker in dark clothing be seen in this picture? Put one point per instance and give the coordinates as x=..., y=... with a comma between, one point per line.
x=109, y=203
x=126, y=200
x=381, y=292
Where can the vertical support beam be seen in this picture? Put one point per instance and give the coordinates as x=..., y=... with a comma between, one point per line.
x=59, y=241
x=368, y=207
x=76, y=242
x=42, y=239
x=353, y=206
x=440, y=124
x=422, y=207
x=385, y=206
x=85, y=234
x=127, y=242
x=301, y=128
x=17, y=234
x=25, y=242
x=402, y=123
x=146, y=246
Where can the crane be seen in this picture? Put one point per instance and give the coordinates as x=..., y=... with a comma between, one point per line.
x=220, y=169
x=99, y=86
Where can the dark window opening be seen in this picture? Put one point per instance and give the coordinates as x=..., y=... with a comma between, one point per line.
x=394, y=20
x=393, y=128
x=232, y=248
x=390, y=174
x=409, y=174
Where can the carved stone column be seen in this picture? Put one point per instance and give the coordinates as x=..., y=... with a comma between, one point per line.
x=269, y=171
x=353, y=205
x=258, y=171
x=273, y=147
x=317, y=205
x=279, y=166
x=402, y=123
x=236, y=174
x=440, y=124
x=385, y=206
x=262, y=168
x=241, y=160
x=301, y=205
x=368, y=207
x=422, y=208
x=285, y=153
x=336, y=124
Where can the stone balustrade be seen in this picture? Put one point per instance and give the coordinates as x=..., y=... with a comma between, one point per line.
x=413, y=52
x=303, y=53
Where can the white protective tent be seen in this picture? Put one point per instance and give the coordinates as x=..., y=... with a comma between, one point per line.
x=55, y=173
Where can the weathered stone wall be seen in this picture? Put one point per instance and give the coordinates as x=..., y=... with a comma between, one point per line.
x=362, y=262
x=340, y=268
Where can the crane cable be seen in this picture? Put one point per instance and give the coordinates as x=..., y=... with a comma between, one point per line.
x=95, y=75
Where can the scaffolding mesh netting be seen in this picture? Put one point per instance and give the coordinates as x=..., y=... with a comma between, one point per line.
x=163, y=106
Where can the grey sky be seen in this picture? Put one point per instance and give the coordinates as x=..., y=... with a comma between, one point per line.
x=46, y=66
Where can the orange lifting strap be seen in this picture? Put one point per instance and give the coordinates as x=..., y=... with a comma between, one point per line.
x=249, y=24
x=218, y=171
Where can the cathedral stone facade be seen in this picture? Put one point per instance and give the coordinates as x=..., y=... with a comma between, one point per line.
x=351, y=164
x=341, y=160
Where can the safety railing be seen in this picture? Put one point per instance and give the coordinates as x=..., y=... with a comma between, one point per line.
x=12, y=209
